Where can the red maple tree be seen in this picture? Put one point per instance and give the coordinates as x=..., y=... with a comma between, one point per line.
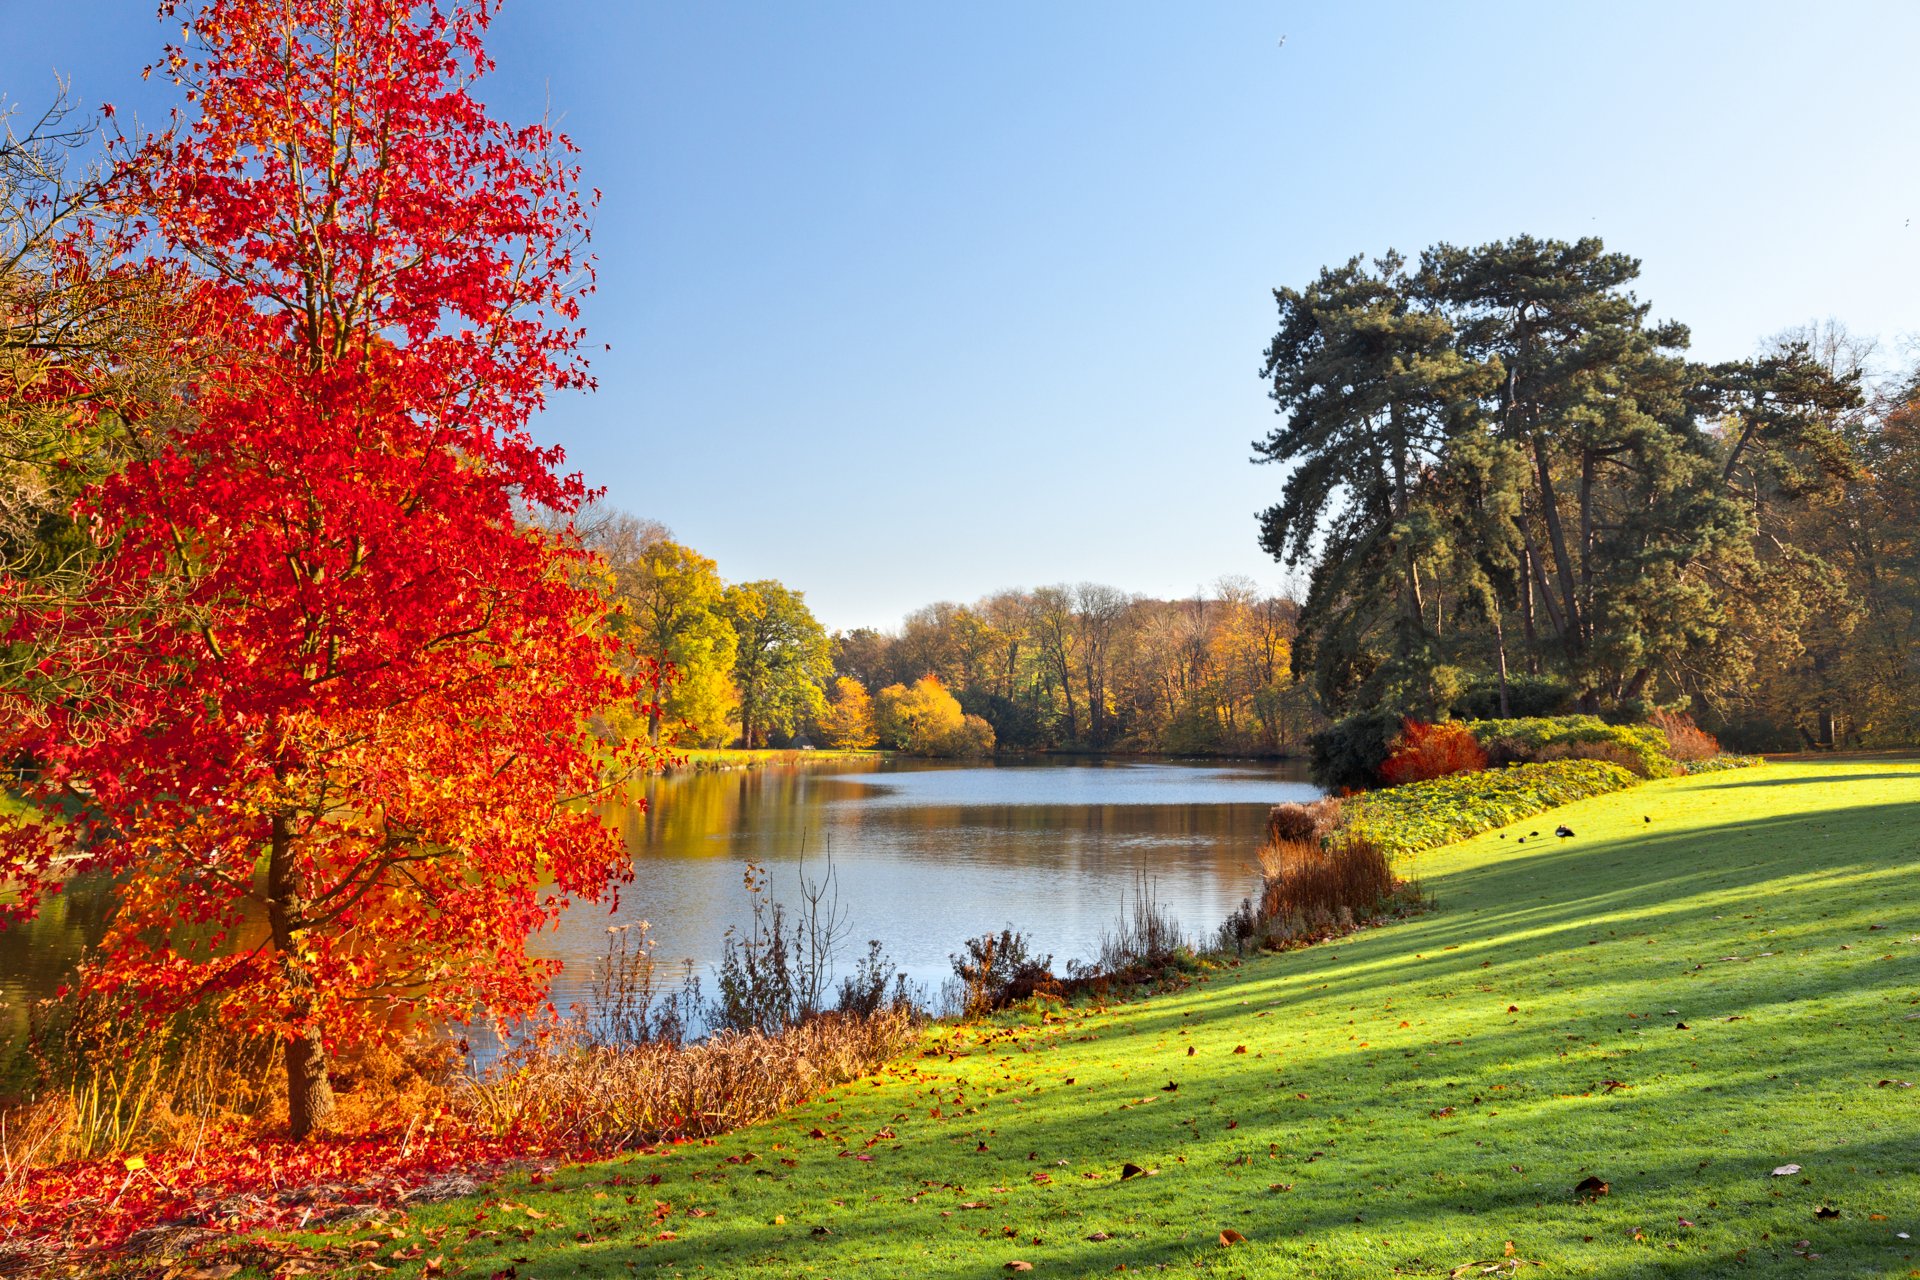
x=331, y=763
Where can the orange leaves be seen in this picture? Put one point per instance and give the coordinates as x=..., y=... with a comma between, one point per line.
x=1427, y=751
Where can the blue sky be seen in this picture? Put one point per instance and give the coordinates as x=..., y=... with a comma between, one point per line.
x=912, y=302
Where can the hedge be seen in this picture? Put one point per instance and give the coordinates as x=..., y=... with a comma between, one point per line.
x=1526, y=738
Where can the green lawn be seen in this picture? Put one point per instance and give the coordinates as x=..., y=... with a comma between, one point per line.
x=1410, y=1099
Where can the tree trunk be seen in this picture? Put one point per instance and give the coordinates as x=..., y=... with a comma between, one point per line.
x=1526, y=611
x=309, y=1088
x=1500, y=656
x=1586, y=547
x=1573, y=629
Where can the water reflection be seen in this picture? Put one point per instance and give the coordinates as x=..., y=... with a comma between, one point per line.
x=926, y=855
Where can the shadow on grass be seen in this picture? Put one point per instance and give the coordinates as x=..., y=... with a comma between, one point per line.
x=1415, y=1122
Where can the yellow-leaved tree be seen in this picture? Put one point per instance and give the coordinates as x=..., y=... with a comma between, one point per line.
x=923, y=719
x=847, y=723
x=669, y=597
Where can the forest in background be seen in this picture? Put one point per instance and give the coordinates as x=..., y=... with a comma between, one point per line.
x=1083, y=667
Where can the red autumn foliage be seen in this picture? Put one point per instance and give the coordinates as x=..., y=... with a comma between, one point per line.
x=1426, y=751
x=320, y=709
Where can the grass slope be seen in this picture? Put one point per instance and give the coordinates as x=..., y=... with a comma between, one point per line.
x=1411, y=1098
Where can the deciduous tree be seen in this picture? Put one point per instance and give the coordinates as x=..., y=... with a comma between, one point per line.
x=782, y=661
x=331, y=778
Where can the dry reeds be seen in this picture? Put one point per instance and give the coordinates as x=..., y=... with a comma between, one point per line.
x=1311, y=821
x=1146, y=937
x=104, y=1085
x=1310, y=889
x=607, y=1096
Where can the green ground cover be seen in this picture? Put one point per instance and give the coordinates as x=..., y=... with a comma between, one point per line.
x=1418, y=816
x=1410, y=1098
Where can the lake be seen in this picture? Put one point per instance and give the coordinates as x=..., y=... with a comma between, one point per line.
x=925, y=855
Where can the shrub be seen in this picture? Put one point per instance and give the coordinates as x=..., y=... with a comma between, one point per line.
x=1719, y=764
x=1311, y=821
x=996, y=971
x=874, y=984
x=628, y=1004
x=1426, y=751
x=1347, y=755
x=1528, y=741
x=1686, y=741
x=1424, y=815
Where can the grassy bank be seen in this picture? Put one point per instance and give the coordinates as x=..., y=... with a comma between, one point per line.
x=1412, y=1097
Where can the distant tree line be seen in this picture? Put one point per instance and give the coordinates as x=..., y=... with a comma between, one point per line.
x=1091, y=667
x=1084, y=667
x=1516, y=493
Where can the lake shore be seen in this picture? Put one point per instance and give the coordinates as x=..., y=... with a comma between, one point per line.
x=1659, y=1003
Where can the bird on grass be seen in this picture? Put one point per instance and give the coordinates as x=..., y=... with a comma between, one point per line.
x=1563, y=831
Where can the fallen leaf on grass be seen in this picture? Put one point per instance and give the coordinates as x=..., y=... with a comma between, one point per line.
x=1099, y=1236
x=1786, y=1171
x=1017, y=1265
x=1591, y=1187
x=1279, y=1186
x=1130, y=1170
x=1170, y=1087
x=1826, y=1211
x=1231, y=1237
x=1239, y=1048
x=976, y=1204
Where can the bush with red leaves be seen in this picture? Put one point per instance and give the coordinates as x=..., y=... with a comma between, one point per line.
x=1427, y=751
x=1686, y=741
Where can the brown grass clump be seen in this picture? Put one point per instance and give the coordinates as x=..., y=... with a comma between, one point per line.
x=607, y=1096
x=1686, y=741
x=1310, y=891
x=1311, y=821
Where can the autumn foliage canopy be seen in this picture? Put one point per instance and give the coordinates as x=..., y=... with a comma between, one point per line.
x=320, y=706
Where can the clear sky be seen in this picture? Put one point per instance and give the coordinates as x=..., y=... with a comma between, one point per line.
x=911, y=302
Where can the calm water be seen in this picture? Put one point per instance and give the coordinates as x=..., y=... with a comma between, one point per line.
x=925, y=855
